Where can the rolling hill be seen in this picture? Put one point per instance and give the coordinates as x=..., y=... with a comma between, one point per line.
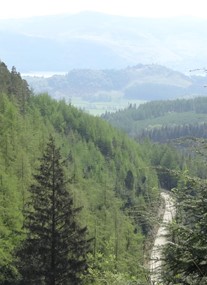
x=110, y=90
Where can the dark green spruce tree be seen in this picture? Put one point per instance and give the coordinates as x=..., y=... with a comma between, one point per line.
x=55, y=248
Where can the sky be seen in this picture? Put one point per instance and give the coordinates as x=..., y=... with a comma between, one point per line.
x=134, y=8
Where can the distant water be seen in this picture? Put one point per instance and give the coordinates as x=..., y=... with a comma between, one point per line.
x=45, y=74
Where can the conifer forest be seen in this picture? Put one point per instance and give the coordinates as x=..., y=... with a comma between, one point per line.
x=80, y=195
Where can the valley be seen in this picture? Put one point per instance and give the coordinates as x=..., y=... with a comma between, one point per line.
x=102, y=107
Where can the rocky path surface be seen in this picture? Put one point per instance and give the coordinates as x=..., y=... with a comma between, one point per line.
x=160, y=240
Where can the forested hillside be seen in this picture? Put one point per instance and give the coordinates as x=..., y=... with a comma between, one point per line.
x=108, y=190
x=143, y=82
x=162, y=121
x=138, y=82
x=185, y=252
x=108, y=174
x=181, y=124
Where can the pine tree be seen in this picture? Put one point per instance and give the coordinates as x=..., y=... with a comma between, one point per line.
x=55, y=248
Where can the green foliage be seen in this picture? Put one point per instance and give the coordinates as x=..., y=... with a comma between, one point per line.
x=110, y=175
x=167, y=161
x=186, y=252
x=13, y=85
x=162, y=121
x=151, y=91
x=54, y=251
x=10, y=224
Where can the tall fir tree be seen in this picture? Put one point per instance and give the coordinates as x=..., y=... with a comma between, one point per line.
x=55, y=248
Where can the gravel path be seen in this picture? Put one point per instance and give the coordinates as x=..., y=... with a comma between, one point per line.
x=160, y=240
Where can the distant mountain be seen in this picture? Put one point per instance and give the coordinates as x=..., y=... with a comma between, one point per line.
x=99, y=41
x=140, y=82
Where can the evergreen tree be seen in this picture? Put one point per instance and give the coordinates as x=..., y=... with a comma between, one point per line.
x=55, y=248
x=186, y=252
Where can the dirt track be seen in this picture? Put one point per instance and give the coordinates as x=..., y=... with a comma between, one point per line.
x=160, y=240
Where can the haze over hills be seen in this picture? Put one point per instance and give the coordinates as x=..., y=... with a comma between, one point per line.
x=103, y=90
x=99, y=41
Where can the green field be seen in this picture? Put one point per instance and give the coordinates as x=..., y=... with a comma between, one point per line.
x=99, y=108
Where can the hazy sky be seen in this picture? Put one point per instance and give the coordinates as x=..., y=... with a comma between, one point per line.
x=145, y=8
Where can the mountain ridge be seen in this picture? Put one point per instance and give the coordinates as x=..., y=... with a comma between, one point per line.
x=98, y=41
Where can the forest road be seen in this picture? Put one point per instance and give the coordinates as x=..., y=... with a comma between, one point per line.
x=160, y=240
